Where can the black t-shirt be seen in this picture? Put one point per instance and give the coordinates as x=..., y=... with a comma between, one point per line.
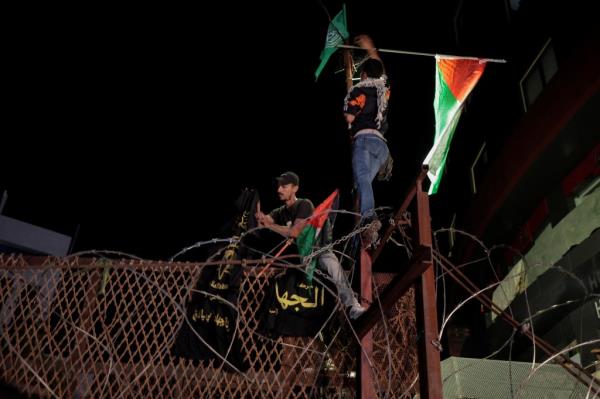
x=362, y=103
x=301, y=209
x=284, y=216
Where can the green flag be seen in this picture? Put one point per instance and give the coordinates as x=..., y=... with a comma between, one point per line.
x=336, y=34
x=454, y=80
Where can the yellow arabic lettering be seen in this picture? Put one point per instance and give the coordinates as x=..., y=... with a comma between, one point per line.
x=287, y=300
x=225, y=269
x=217, y=285
x=283, y=299
x=221, y=321
x=200, y=315
x=314, y=304
x=302, y=285
x=244, y=221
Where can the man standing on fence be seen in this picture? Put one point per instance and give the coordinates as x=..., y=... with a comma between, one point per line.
x=365, y=111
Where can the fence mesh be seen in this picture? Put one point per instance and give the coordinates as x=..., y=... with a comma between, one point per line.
x=97, y=328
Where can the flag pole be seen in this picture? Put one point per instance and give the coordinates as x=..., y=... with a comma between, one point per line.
x=385, y=50
x=287, y=244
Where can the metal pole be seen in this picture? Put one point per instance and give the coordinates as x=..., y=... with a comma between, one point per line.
x=430, y=373
x=367, y=386
x=386, y=50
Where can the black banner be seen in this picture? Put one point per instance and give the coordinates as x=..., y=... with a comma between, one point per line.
x=294, y=308
x=212, y=312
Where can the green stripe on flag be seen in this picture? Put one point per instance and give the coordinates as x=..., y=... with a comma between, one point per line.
x=304, y=242
x=445, y=104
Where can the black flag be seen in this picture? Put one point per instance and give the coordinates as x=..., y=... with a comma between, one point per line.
x=212, y=313
x=293, y=307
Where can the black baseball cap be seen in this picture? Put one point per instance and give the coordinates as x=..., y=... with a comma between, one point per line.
x=287, y=178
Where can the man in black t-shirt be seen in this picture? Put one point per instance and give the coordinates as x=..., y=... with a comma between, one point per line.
x=289, y=220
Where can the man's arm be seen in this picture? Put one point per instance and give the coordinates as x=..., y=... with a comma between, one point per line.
x=290, y=232
x=305, y=210
x=268, y=222
x=366, y=42
x=263, y=219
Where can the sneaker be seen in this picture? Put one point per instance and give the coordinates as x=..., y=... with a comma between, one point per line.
x=356, y=310
x=370, y=235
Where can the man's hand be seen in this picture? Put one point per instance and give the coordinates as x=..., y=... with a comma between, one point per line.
x=263, y=220
x=364, y=41
x=260, y=217
x=298, y=226
x=349, y=118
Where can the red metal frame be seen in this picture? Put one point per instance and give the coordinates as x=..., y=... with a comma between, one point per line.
x=420, y=273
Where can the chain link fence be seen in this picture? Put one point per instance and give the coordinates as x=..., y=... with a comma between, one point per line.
x=97, y=328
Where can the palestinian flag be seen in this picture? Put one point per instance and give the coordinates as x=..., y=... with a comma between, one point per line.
x=454, y=80
x=306, y=239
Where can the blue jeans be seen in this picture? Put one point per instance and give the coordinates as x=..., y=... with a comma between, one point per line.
x=369, y=153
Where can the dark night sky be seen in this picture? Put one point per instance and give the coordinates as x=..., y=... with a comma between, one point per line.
x=143, y=124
